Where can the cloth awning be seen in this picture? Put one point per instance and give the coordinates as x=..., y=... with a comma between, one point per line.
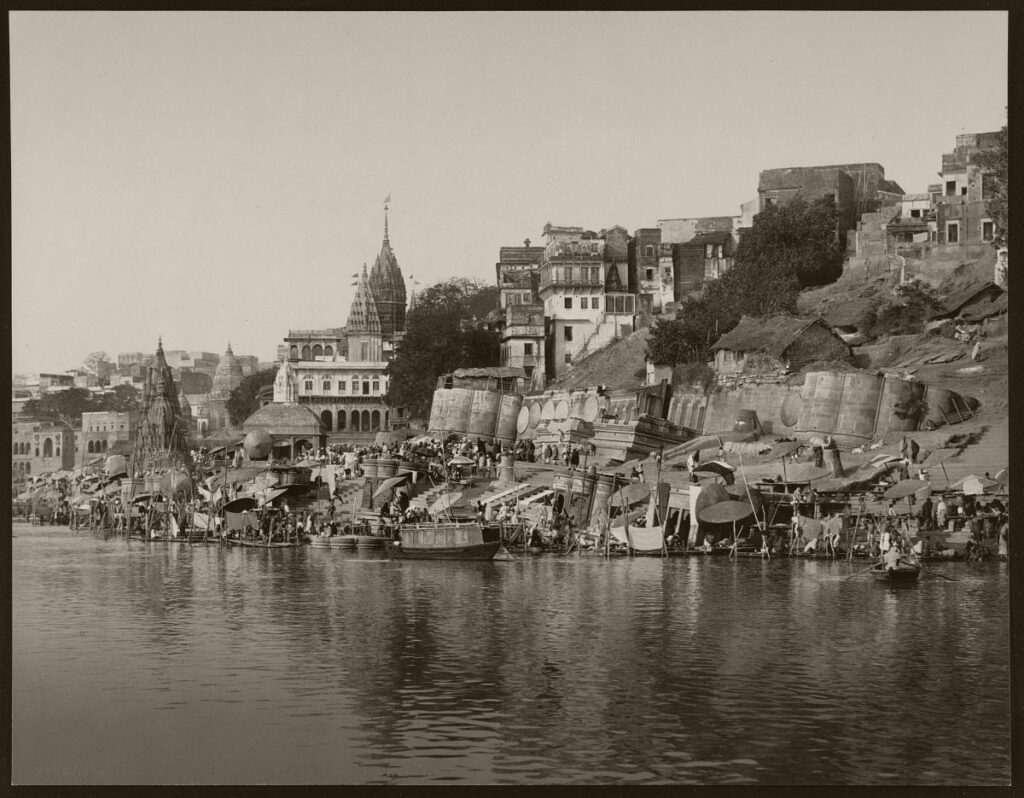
x=240, y=504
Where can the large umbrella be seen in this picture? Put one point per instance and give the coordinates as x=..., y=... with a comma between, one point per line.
x=782, y=449
x=389, y=484
x=725, y=512
x=904, y=488
x=241, y=504
x=938, y=457
x=631, y=494
x=460, y=460
x=715, y=467
x=1003, y=476
x=973, y=485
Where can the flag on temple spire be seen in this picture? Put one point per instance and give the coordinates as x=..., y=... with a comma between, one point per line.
x=387, y=199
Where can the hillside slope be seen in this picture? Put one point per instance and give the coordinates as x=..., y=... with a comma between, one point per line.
x=615, y=366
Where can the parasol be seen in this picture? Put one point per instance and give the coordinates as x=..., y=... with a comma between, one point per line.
x=241, y=504
x=1003, y=476
x=631, y=494
x=460, y=460
x=904, y=488
x=973, y=485
x=938, y=457
x=725, y=512
x=715, y=467
x=389, y=484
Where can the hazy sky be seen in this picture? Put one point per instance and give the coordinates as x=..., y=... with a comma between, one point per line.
x=214, y=177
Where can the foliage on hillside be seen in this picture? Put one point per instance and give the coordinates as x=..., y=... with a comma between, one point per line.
x=786, y=249
x=996, y=202
x=444, y=332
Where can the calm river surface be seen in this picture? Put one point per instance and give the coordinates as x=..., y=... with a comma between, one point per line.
x=139, y=663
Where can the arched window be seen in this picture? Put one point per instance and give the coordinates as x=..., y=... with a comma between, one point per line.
x=305, y=352
x=28, y=468
x=24, y=448
x=105, y=445
x=88, y=447
x=48, y=448
x=327, y=417
x=341, y=420
x=375, y=420
x=355, y=421
x=376, y=386
x=293, y=352
x=318, y=351
x=328, y=351
x=365, y=420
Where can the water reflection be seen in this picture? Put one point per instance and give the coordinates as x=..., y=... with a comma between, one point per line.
x=321, y=666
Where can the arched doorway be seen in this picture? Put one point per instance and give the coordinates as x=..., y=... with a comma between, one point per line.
x=365, y=420
x=327, y=419
x=47, y=448
x=328, y=351
x=88, y=448
x=341, y=420
x=355, y=421
x=318, y=351
x=375, y=420
x=293, y=352
x=306, y=352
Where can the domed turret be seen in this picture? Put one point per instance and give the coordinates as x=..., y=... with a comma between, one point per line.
x=227, y=377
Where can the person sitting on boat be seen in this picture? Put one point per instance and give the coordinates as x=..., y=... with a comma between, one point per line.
x=892, y=558
x=706, y=546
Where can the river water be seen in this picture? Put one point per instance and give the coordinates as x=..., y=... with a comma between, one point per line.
x=139, y=663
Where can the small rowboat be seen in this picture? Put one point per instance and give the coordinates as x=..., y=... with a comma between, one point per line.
x=903, y=573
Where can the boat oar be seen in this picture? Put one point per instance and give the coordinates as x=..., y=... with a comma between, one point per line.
x=937, y=573
x=864, y=571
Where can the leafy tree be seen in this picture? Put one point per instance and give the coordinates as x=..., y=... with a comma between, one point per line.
x=92, y=362
x=122, y=398
x=996, y=160
x=905, y=314
x=443, y=332
x=242, y=402
x=797, y=243
x=64, y=406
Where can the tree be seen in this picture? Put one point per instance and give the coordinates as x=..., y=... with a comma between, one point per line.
x=995, y=161
x=243, y=400
x=92, y=362
x=121, y=399
x=64, y=406
x=443, y=331
x=798, y=243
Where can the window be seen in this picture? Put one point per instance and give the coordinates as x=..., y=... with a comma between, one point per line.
x=528, y=349
x=306, y=352
x=568, y=357
x=568, y=303
x=568, y=274
x=650, y=274
x=709, y=250
x=593, y=248
x=768, y=202
x=342, y=386
x=915, y=213
x=309, y=385
x=328, y=351
x=987, y=231
x=583, y=303
x=963, y=191
x=595, y=303
x=568, y=333
x=326, y=386
x=950, y=188
x=318, y=351
x=366, y=387
x=952, y=232
x=649, y=251
x=376, y=385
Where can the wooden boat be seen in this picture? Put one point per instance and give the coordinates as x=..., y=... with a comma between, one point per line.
x=903, y=573
x=446, y=540
x=256, y=544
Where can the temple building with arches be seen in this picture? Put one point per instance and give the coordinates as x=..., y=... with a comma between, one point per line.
x=338, y=372
x=226, y=378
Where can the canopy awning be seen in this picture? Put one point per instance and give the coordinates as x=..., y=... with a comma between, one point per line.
x=240, y=504
x=536, y=497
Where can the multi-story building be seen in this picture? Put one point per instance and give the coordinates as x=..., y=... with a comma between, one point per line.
x=856, y=188
x=103, y=432
x=961, y=211
x=38, y=447
x=586, y=297
x=518, y=274
x=522, y=342
x=339, y=372
x=654, y=279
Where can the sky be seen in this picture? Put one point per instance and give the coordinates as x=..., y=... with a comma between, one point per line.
x=216, y=177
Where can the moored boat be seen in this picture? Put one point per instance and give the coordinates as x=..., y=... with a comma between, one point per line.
x=447, y=540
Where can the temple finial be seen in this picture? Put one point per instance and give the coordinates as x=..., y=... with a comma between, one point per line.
x=386, y=201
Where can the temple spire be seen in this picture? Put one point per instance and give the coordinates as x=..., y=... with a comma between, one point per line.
x=386, y=201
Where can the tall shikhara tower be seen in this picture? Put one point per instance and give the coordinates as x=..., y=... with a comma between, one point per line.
x=388, y=288
x=163, y=431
